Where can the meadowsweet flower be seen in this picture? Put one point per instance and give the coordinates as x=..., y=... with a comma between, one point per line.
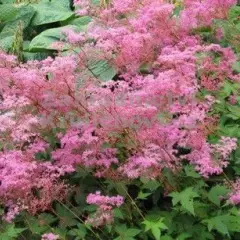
x=50, y=236
x=104, y=213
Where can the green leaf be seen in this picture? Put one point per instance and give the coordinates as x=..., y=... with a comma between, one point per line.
x=45, y=39
x=218, y=223
x=46, y=218
x=118, y=213
x=126, y=233
x=142, y=195
x=79, y=232
x=81, y=22
x=50, y=12
x=10, y=232
x=234, y=110
x=185, y=198
x=155, y=227
x=7, y=12
x=184, y=236
x=216, y=192
x=166, y=237
x=151, y=185
x=66, y=216
x=36, y=226
x=101, y=69
x=121, y=188
x=23, y=18
x=7, y=1
x=234, y=12
x=190, y=172
x=236, y=65
x=232, y=222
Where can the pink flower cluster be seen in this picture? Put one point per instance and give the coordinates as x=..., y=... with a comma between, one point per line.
x=104, y=213
x=50, y=236
x=104, y=202
x=199, y=13
x=234, y=196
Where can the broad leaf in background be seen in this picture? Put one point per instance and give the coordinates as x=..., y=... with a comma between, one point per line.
x=102, y=70
x=28, y=55
x=7, y=12
x=51, y=11
x=44, y=41
x=23, y=18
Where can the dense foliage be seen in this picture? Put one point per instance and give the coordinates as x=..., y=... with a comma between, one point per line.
x=131, y=131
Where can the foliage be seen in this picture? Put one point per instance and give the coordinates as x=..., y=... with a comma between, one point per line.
x=128, y=128
x=37, y=19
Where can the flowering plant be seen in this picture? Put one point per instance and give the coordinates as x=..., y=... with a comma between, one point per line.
x=160, y=139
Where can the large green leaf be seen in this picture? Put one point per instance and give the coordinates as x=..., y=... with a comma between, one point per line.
x=80, y=21
x=23, y=17
x=7, y=12
x=45, y=39
x=101, y=69
x=50, y=12
x=7, y=1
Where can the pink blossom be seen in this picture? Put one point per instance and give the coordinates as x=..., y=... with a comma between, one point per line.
x=13, y=210
x=104, y=213
x=74, y=37
x=104, y=202
x=234, y=196
x=50, y=236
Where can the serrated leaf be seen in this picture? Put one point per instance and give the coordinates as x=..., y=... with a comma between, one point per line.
x=216, y=192
x=155, y=227
x=190, y=172
x=46, y=218
x=151, y=185
x=118, y=213
x=232, y=223
x=185, y=198
x=79, y=232
x=11, y=232
x=66, y=216
x=142, y=195
x=36, y=226
x=218, y=224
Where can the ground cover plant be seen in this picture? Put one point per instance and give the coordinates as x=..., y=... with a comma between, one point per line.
x=130, y=131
